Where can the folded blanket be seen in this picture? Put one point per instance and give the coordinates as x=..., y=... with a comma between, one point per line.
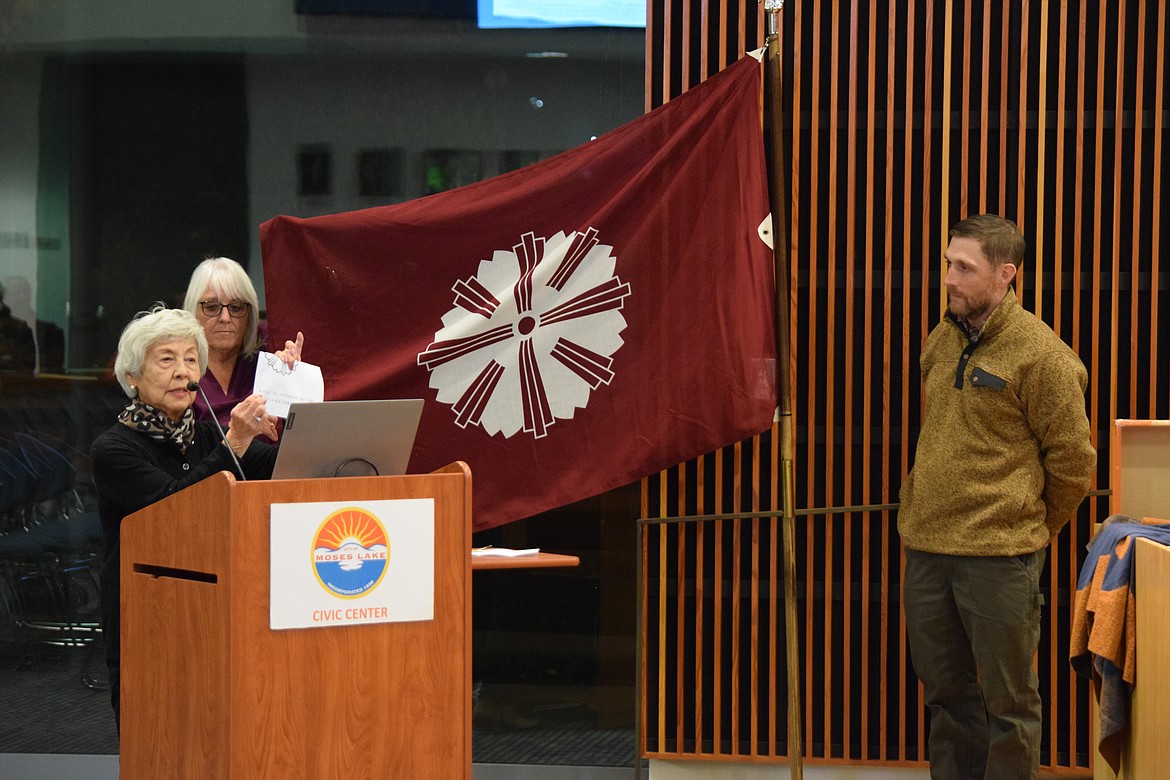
x=1103, y=641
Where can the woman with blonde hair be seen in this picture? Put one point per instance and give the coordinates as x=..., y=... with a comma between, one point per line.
x=223, y=299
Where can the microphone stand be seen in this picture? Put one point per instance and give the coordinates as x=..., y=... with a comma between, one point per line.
x=195, y=387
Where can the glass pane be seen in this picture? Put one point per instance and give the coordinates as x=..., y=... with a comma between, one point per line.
x=138, y=142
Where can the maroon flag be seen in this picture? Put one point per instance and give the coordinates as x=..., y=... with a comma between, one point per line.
x=573, y=325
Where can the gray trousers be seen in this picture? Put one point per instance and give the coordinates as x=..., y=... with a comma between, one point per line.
x=974, y=626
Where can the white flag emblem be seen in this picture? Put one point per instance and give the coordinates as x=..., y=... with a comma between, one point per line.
x=530, y=335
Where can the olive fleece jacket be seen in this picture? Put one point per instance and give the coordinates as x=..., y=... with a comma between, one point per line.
x=1005, y=456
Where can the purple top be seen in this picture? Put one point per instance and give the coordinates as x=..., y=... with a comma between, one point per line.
x=239, y=388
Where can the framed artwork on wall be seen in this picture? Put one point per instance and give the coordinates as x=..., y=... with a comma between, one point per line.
x=380, y=172
x=446, y=169
x=314, y=169
x=511, y=159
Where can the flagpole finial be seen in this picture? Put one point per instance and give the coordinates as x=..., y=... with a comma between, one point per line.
x=772, y=9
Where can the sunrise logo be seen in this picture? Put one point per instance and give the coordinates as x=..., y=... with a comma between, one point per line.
x=350, y=552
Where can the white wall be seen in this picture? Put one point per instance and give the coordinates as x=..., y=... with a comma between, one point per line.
x=19, y=93
x=20, y=80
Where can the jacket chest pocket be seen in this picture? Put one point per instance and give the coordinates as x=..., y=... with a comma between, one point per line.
x=993, y=406
x=980, y=377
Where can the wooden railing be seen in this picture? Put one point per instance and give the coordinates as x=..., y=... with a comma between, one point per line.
x=711, y=644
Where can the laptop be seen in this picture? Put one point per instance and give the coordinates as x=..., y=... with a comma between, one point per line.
x=347, y=439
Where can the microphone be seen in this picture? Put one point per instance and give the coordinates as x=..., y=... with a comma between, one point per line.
x=195, y=387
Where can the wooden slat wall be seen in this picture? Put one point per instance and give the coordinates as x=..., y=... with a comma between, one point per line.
x=900, y=118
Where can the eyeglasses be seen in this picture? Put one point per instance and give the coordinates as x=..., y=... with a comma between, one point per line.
x=236, y=309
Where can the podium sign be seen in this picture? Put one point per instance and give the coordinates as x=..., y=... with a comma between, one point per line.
x=350, y=562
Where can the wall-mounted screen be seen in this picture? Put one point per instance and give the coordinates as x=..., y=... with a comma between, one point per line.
x=561, y=13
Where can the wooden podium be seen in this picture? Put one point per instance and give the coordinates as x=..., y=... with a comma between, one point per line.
x=210, y=691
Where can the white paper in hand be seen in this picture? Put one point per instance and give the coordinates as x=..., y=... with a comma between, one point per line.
x=282, y=386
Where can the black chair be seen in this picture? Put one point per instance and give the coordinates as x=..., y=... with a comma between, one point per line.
x=52, y=558
x=57, y=493
x=22, y=486
x=82, y=465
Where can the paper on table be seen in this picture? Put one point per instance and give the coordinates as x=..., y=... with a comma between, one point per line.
x=503, y=552
x=282, y=386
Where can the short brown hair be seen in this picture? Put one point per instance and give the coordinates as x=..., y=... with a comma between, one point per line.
x=999, y=238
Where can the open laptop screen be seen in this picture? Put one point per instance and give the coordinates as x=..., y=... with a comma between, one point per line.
x=347, y=438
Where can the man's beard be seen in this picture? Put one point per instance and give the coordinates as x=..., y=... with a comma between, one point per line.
x=971, y=309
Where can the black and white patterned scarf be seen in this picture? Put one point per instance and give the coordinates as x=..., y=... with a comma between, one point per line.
x=146, y=419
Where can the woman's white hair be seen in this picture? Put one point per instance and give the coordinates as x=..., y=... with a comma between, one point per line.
x=155, y=326
x=232, y=283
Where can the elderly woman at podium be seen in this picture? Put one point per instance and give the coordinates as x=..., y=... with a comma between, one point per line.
x=157, y=447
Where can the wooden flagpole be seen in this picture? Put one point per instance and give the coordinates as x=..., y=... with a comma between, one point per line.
x=780, y=250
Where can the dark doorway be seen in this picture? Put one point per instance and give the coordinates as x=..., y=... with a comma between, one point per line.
x=158, y=182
